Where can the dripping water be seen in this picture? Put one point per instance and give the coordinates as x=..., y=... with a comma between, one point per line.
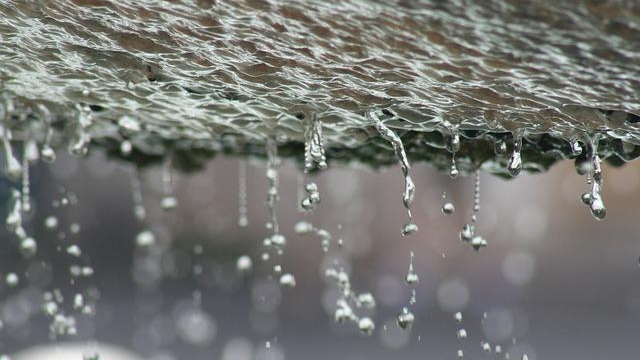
x=243, y=219
x=168, y=201
x=314, y=145
x=515, y=162
x=453, y=146
x=409, y=187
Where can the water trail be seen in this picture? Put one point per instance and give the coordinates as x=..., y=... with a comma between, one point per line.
x=409, y=187
x=169, y=201
x=30, y=153
x=81, y=138
x=593, y=198
x=453, y=146
x=272, y=175
x=46, y=151
x=461, y=333
x=467, y=234
x=13, y=169
x=314, y=145
x=243, y=219
x=515, y=162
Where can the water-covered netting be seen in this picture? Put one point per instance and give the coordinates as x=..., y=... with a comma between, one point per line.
x=197, y=77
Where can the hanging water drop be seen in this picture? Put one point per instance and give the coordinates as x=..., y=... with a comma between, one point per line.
x=576, y=149
x=405, y=319
x=13, y=169
x=515, y=162
x=409, y=188
x=314, y=145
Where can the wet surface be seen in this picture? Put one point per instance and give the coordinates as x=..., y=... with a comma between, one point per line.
x=218, y=75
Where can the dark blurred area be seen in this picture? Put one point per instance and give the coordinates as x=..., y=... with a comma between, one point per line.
x=553, y=283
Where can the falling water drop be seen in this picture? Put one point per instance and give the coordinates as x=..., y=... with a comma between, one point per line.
x=91, y=355
x=409, y=228
x=313, y=197
x=411, y=278
x=51, y=222
x=460, y=354
x=486, y=347
x=12, y=279
x=367, y=300
x=515, y=162
x=287, y=280
x=448, y=208
x=74, y=250
x=462, y=334
x=28, y=247
x=244, y=264
x=125, y=148
x=458, y=317
x=525, y=357
x=405, y=319
x=145, y=239
x=366, y=326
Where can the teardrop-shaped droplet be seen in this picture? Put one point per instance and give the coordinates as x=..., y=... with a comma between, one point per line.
x=515, y=162
x=405, y=319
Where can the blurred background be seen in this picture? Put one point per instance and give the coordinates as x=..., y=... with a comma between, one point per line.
x=553, y=283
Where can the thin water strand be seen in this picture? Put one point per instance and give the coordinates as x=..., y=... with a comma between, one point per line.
x=243, y=218
x=409, y=187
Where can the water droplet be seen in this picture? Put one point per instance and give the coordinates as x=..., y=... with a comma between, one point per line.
x=462, y=334
x=458, y=316
x=497, y=349
x=47, y=154
x=366, y=326
x=478, y=242
x=466, y=234
x=460, y=354
x=405, y=319
x=169, y=202
x=145, y=238
x=287, y=280
x=74, y=250
x=303, y=227
x=51, y=222
x=448, y=208
x=525, y=357
x=367, y=300
x=411, y=278
x=576, y=149
x=12, y=279
x=28, y=247
x=409, y=228
x=126, y=148
x=486, y=347
x=278, y=240
x=78, y=301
